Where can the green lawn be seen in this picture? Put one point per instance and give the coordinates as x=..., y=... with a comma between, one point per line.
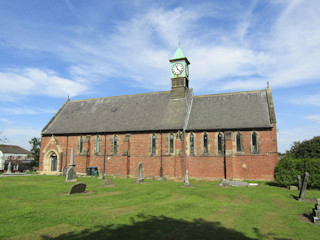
x=37, y=207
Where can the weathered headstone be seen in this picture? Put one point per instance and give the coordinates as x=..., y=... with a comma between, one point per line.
x=226, y=183
x=140, y=174
x=186, y=179
x=316, y=212
x=71, y=173
x=293, y=188
x=101, y=175
x=64, y=171
x=9, y=168
x=78, y=188
x=108, y=183
x=304, y=187
x=299, y=182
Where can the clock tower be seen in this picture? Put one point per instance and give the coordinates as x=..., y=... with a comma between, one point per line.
x=179, y=74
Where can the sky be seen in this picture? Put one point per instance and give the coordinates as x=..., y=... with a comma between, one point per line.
x=52, y=49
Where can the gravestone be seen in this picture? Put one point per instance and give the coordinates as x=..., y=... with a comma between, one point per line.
x=299, y=182
x=78, y=188
x=227, y=183
x=108, y=183
x=140, y=174
x=304, y=187
x=9, y=168
x=186, y=179
x=71, y=173
x=293, y=188
x=316, y=212
x=64, y=171
x=101, y=175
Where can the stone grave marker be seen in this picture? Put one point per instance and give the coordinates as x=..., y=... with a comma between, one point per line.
x=316, y=212
x=9, y=168
x=64, y=171
x=140, y=174
x=299, y=182
x=304, y=187
x=108, y=183
x=226, y=183
x=186, y=179
x=101, y=175
x=78, y=188
x=71, y=173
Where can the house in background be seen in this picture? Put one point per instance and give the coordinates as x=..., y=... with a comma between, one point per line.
x=18, y=156
x=231, y=135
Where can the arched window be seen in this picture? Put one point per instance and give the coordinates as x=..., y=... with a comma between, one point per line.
x=81, y=145
x=205, y=143
x=191, y=143
x=153, y=143
x=254, y=142
x=239, y=142
x=115, y=145
x=220, y=149
x=98, y=145
x=171, y=143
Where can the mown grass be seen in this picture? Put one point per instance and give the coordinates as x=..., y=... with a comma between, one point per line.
x=37, y=207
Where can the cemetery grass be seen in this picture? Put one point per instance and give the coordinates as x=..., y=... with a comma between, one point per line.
x=38, y=207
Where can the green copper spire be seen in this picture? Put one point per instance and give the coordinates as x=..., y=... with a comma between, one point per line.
x=178, y=54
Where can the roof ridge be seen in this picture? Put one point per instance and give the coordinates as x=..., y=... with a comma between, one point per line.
x=128, y=95
x=232, y=93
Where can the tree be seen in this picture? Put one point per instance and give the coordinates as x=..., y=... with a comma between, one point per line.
x=35, y=150
x=306, y=149
x=3, y=139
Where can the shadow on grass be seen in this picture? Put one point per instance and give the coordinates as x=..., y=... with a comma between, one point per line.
x=152, y=227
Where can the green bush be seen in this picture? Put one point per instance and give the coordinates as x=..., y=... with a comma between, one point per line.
x=287, y=171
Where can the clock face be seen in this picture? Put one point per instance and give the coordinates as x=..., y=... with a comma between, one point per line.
x=177, y=68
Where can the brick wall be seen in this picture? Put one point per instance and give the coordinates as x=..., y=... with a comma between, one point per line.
x=137, y=147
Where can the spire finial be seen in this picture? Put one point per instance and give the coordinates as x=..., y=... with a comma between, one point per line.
x=179, y=41
x=68, y=98
x=268, y=86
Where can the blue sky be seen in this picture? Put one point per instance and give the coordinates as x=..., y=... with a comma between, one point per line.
x=50, y=49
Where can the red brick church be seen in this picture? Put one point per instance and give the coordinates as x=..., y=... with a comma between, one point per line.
x=231, y=135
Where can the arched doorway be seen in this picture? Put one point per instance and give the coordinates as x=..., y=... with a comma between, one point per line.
x=53, y=162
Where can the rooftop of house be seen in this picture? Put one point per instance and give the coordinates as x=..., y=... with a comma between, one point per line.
x=12, y=149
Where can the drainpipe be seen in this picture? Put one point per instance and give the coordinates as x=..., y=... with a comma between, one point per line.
x=67, y=152
x=224, y=155
x=161, y=170
x=104, y=155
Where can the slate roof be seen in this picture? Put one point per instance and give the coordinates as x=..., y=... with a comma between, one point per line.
x=242, y=110
x=156, y=111
x=12, y=149
x=139, y=112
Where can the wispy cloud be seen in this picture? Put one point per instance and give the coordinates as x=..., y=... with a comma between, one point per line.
x=5, y=120
x=314, y=118
x=33, y=81
x=26, y=110
x=19, y=135
x=306, y=100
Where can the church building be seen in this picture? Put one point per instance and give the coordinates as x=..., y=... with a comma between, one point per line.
x=231, y=135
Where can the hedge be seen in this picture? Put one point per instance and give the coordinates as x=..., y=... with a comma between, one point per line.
x=287, y=171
